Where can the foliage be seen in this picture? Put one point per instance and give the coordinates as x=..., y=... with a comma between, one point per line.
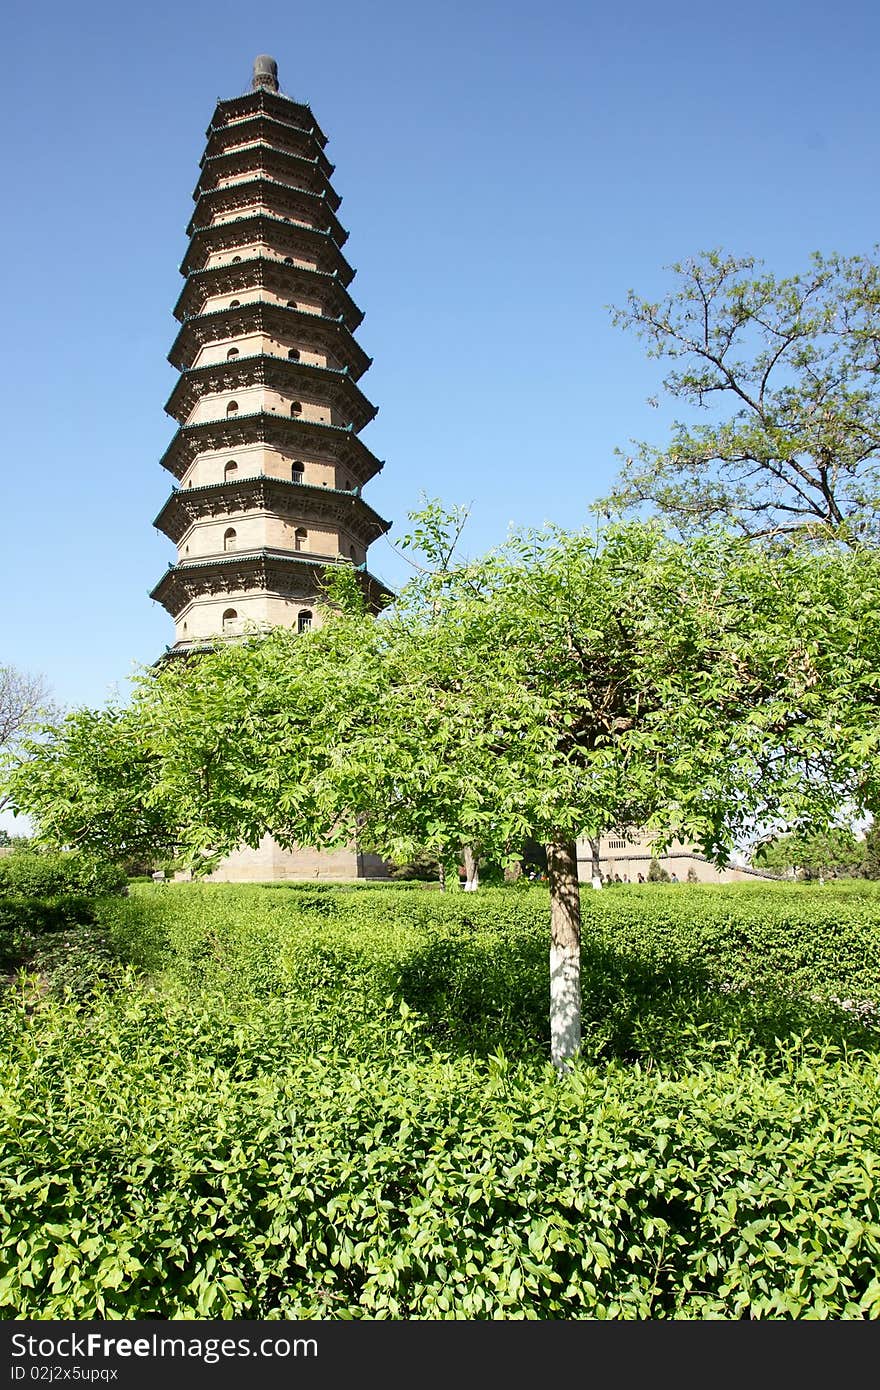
x=871, y=860
x=47, y=915
x=795, y=363
x=557, y=687
x=657, y=873
x=179, y=1147
x=25, y=924
x=88, y=780
x=825, y=854
x=560, y=685
x=473, y=967
x=425, y=868
x=39, y=873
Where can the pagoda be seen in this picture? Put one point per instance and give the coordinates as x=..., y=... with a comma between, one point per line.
x=268, y=461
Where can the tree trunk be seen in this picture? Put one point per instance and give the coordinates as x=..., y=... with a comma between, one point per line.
x=471, y=870
x=565, y=954
x=597, y=872
x=441, y=874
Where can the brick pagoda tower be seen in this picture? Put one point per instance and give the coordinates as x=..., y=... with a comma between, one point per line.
x=268, y=457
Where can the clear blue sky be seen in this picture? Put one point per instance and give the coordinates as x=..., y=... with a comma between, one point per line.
x=507, y=171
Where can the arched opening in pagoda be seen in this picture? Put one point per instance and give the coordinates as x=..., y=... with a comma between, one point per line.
x=296, y=408
x=304, y=621
x=230, y=539
x=232, y=408
x=229, y=470
x=297, y=471
x=229, y=617
x=233, y=352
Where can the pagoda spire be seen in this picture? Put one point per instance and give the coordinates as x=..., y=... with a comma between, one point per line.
x=265, y=73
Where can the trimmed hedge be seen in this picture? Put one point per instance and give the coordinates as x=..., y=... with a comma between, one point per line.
x=752, y=962
x=33, y=873
x=333, y=1104
x=182, y=1162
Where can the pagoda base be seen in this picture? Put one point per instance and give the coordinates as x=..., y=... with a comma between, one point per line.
x=269, y=863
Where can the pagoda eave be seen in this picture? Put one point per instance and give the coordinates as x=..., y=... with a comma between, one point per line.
x=328, y=386
x=264, y=124
x=261, y=315
x=280, y=496
x=264, y=157
x=264, y=272
x=222, y=235
x=262, y=190
x=272, y=103
x=272, y=572
x=331, y=442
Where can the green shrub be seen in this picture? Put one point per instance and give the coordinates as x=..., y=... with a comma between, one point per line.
x=25, y=921
x=32, y=873
x=319, y=1103
x=163, y=1161
x=741, y=962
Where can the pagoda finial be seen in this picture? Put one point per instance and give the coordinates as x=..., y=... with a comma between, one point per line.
x=265, y=73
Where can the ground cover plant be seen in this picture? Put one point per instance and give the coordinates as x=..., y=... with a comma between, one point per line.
x=326, y=1103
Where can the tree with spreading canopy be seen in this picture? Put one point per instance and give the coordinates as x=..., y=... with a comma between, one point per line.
x=786, y=375
x=562, y=684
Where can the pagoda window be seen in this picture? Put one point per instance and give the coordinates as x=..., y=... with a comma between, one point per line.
x=296, y=408
x=304, y=621
x=296, y=471
x=288, y=260
x=300, y=536
x=234, y=303
x=236, y=259
x=230, y=469
x=293, y=354
x=232, y=408
x=292, y=304
x=230, y=539
x=233, y=352
x=229, y=617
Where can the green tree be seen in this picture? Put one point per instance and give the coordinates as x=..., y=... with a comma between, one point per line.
x=871, y=856
x=786, y=374
x=553, y=688
x=827, y=853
